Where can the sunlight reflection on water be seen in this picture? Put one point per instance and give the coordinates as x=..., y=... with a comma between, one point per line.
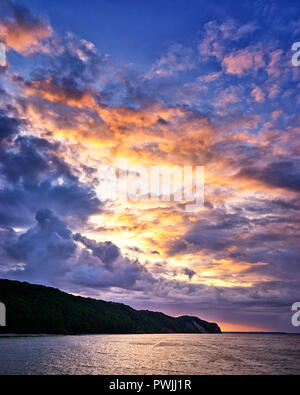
x=151, y=354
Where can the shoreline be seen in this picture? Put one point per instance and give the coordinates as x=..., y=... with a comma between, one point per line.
x=13, y=335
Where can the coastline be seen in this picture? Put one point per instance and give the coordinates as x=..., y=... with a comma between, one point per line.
x=12, y=335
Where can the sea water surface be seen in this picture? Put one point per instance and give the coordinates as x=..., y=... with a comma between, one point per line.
x=151, y=354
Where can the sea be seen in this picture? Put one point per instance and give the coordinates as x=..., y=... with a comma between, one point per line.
x=149, y=354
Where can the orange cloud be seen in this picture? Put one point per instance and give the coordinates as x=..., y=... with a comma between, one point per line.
x=23, y=32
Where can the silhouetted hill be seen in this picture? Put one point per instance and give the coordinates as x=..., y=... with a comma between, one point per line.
x=39, y=309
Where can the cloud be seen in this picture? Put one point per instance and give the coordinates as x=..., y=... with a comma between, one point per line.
x=34, y=176
x=218, y=36
x=20, y=30
x=48, y=253
x=258, y=95
x=178, y=59
x=282, y=174
x=243, y=61
x=43, y=250
x=8, y=126
x=7, y=238
x=107, y=251
x=188, y=272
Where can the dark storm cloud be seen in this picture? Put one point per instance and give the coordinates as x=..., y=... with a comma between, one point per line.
x=101, y=264
x=107, y=251
x=282, y=174
x=18, y=203
x=125, y=274
x=8, y=126
x=44, y=250
x=24, y=164
x=48, y=253
x=35, y=177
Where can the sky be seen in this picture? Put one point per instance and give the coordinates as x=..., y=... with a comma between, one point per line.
x=160, y=83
